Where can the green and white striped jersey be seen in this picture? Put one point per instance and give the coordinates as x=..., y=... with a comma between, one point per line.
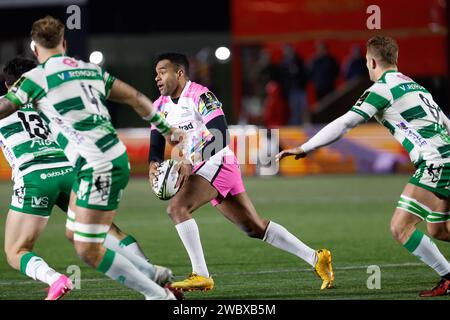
x=75, y=109
x=27, y=145
x=409, y=112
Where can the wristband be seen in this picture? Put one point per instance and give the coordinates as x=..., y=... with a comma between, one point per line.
x=159, y=122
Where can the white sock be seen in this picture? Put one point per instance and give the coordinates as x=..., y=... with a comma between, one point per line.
x=190, y=236
x=136, y=249
x=282, y=239
x=119, y=268
x=426, y=250
x=135, y=258
x=36, y=268
x=129, y=243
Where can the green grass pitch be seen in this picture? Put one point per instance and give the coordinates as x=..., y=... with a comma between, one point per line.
x=349, y=215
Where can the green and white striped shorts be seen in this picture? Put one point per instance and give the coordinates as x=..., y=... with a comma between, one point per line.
x=433, y=177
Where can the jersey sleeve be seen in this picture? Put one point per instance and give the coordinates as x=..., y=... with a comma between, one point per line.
x=108, y=80
x=375, y=99
x=28, y=88
x=209, y=107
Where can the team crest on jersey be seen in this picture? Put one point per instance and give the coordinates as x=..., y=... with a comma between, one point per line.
x=362, y=98
x=208, y=103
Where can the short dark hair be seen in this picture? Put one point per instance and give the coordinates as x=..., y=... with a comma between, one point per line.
x=176, y=58
x=16, y=67
x=383, y=48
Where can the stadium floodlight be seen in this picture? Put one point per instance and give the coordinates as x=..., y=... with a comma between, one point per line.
x=96, y=57
x=223, y=53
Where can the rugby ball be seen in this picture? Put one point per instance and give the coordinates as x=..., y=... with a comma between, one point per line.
x=166, y=178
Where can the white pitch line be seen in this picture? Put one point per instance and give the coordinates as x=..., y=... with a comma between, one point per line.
x=393, y=265
x=406, y=264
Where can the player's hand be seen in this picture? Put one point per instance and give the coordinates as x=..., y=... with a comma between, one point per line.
x=175, y=136
x=297, y=152
x=184, y=171
x=152, y=171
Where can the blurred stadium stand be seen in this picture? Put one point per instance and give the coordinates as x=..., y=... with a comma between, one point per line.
x=131, y=34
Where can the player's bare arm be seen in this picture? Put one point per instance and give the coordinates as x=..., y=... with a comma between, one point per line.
x=124, y=93
x=329, y=134
x=297, y=152
x=6, y=108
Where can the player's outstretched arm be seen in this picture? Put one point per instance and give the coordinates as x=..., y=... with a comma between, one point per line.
x=329, y=134
x=6, y=108
x=124, y=93
x=297, y=152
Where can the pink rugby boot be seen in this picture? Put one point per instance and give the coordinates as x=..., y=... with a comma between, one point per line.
x=59, y=288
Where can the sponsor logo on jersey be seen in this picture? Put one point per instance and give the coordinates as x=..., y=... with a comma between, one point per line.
x=187, y=127
x=77, y=73
x=402, y=126
x=9, y=155
x=412, y=134
x=39, y=202
x=411, y=86
x=69, y=131
x=402, y=76
x=362, y=98
x=70, y=62
x=58, y=173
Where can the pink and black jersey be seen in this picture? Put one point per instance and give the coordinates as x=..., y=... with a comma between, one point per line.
x=193, y=110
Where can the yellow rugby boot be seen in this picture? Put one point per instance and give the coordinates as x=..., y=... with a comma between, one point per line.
x=324, y=269
x=194, y=282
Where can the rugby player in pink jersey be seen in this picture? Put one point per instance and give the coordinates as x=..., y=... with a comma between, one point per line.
x=211, y=174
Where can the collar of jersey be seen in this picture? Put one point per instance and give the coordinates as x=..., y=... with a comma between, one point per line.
x=382, y=78
x=53, y=56
x=182, y=92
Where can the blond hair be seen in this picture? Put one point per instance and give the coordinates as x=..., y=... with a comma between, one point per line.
x=47, y=32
